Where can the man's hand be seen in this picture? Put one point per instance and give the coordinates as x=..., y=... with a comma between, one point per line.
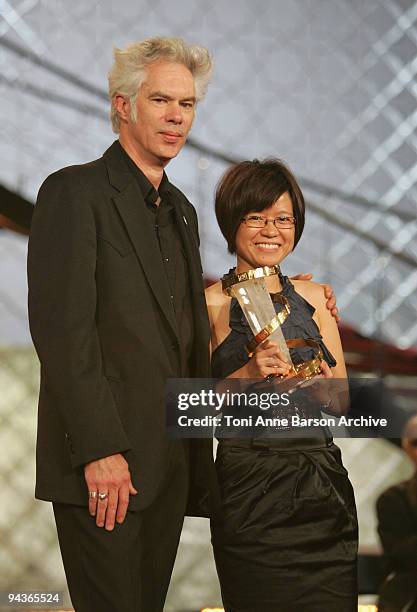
x=110, y=476
x=328, y=292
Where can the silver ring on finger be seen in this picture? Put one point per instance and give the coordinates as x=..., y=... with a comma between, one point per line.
x=102, y=496
x=92, y=494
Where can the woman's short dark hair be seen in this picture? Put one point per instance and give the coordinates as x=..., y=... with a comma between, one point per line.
x=251, y=186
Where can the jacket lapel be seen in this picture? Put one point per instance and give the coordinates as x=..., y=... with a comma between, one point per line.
x=191, y=249
x=132, y=208
x=201, y=357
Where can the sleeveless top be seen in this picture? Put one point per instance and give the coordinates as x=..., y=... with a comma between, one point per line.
x=230, y=354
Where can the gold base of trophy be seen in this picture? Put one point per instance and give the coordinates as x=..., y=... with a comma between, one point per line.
x=307, y=369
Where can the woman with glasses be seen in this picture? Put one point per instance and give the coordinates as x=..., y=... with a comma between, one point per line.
x=286, y=539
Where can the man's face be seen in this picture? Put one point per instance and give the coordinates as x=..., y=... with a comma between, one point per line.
x=165, y=110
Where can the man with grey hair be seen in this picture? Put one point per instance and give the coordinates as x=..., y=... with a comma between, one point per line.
x=397, y=528
x=116, y=305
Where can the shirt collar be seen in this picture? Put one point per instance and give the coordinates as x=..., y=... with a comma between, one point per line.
x=150, y=194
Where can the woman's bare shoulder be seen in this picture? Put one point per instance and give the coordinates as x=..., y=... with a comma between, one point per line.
x=215, y=295
x=218, y=305
x=310, y=291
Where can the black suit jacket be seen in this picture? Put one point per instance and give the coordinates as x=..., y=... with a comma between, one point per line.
x=99, y=304
x=397, y=528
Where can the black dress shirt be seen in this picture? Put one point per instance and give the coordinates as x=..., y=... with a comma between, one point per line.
x=164, y=220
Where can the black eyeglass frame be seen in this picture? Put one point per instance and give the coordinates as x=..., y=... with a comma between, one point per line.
x=266, y=221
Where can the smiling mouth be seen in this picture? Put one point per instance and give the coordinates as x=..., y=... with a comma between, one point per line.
x=272, y=246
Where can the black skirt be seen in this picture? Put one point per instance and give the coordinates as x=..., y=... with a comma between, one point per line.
x=286, y=539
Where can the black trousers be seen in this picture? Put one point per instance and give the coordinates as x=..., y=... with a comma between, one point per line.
x=127, y=569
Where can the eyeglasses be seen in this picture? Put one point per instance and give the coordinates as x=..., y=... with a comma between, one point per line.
x=281, y=222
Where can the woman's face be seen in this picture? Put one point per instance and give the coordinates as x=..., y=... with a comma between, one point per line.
x=267, y=246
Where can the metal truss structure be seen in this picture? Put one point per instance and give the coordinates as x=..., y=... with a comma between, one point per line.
x=329, y=87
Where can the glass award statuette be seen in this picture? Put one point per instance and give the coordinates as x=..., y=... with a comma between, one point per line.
x=249, y=288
